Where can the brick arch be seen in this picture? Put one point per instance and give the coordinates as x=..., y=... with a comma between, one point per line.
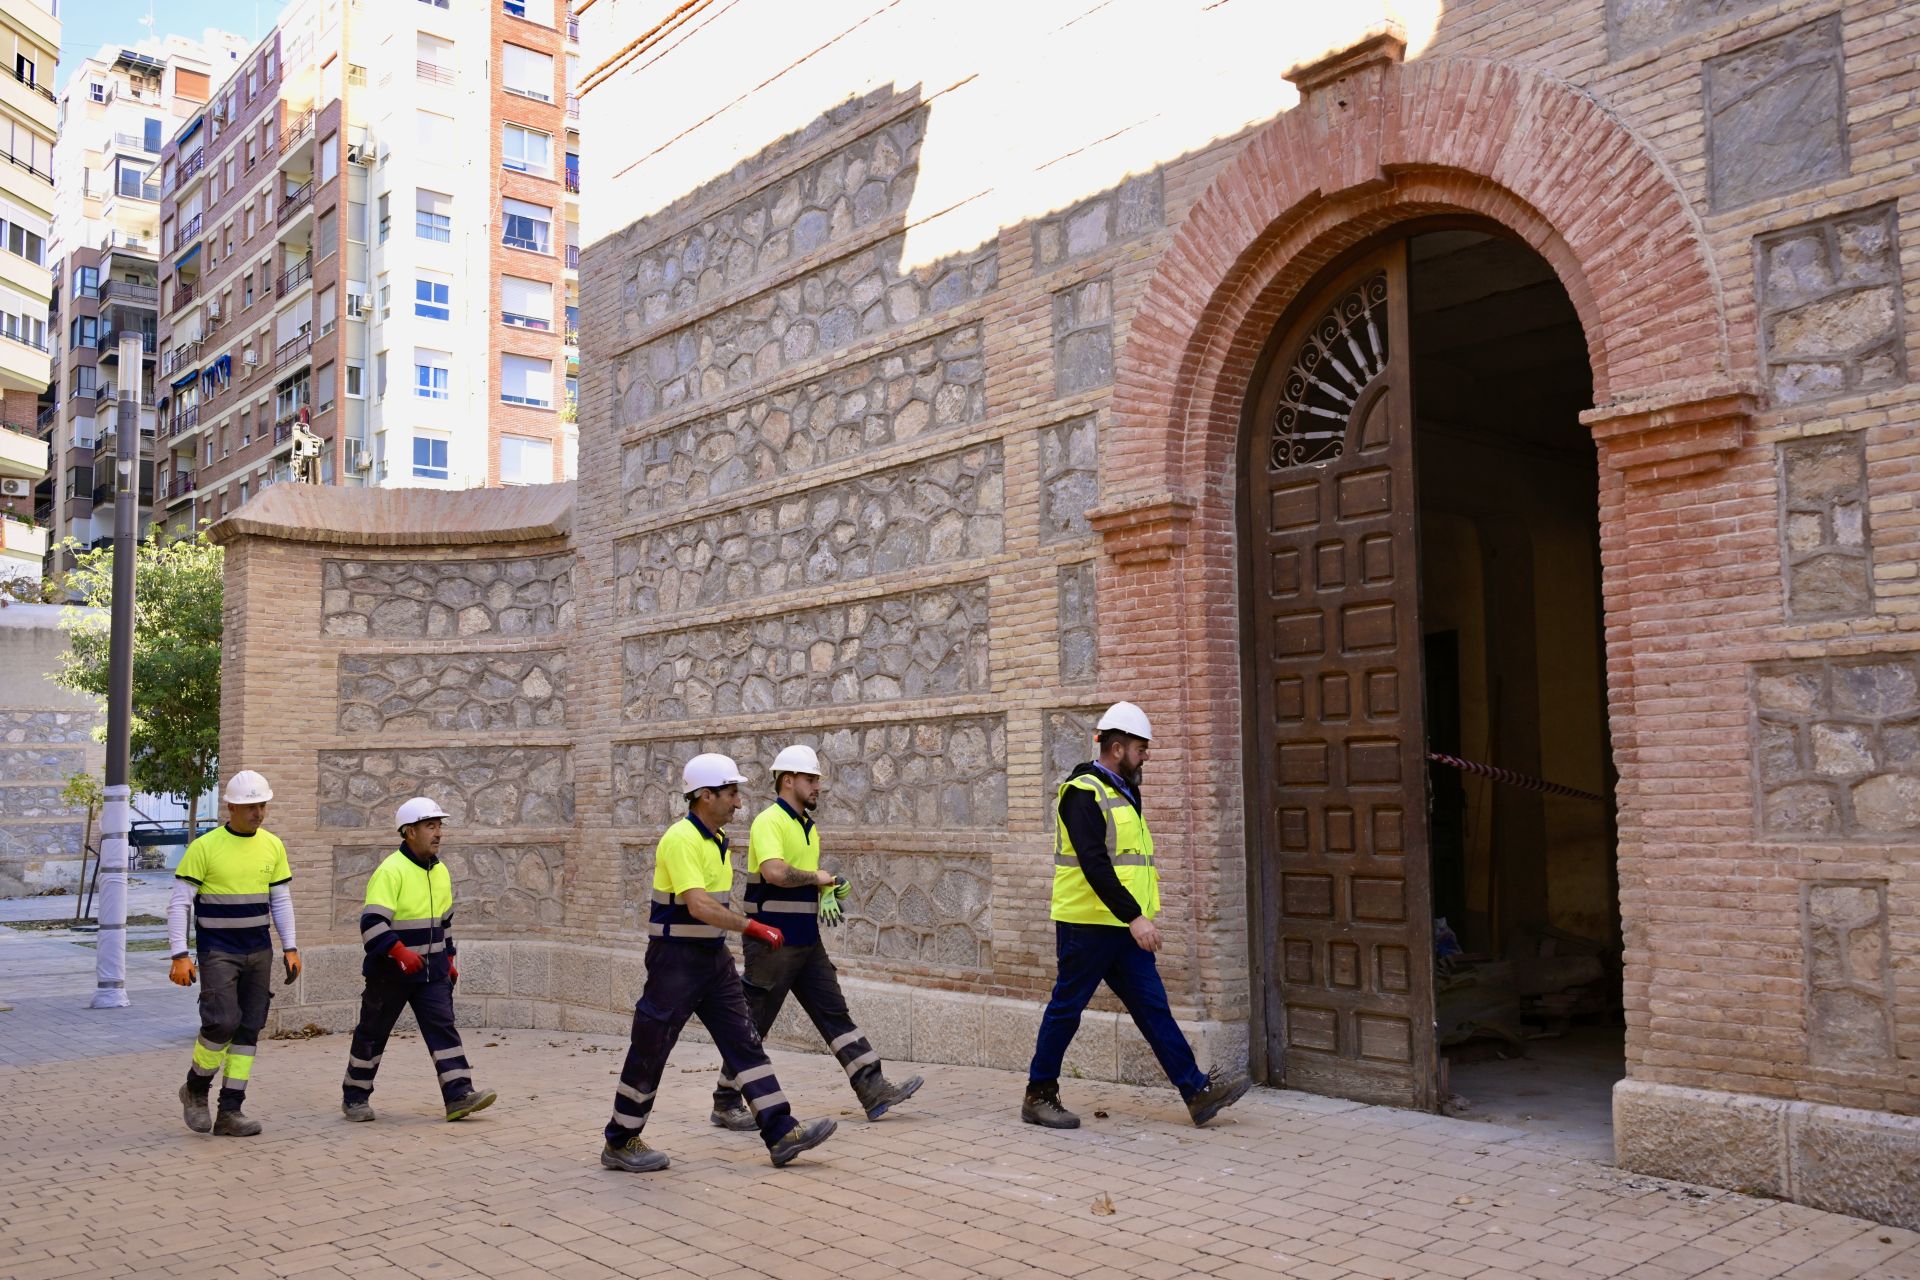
x=1383, y=145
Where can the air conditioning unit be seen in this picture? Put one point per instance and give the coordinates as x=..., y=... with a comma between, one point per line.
x=251, y=358
x=356, y=306
x=358, y=459
x=15, y=487
x=213, y=308
x=360, y=154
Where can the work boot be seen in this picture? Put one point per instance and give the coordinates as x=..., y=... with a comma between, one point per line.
x=359, y=1112
x=466, y=1104
x=1220, y=1093
x=193, y=1108
x=633, y=1156
x=883, y=1094
x=1042, y=1107
x=735, y=1116
x=802, y=1137
x=232, y=1124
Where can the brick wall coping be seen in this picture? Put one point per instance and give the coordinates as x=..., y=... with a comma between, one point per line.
x=402, y=517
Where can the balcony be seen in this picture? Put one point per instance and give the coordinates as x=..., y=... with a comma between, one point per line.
x=185, y=292
x=110, y=344
x=190, y=168
x=183, y=421
x=181, y=357
x=174, y=487
x=23, y=541
x=573, y=30
x=34, y=85
x=294, y=201
x=573, y=257
x=573, y=107
x=572, y=338
x=134, y=142
x=188, y=232
x=294, y=130
x=290, y=351
x=47, y=417
x=573, y=181
x=122, y=293
x=432, y=72
x=293, y=277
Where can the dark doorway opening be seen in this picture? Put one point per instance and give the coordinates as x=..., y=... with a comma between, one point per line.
x=1527, y=966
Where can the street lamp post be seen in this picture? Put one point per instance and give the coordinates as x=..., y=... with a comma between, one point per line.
x=116, y=817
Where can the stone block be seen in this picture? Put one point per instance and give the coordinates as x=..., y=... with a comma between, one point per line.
x=531, y=971
x=1078, y=623
x=1095, y=1051
x=336, y=1016
x=598, y=1022
x=1824, y=530
x=583, y=976
x=503, y=1012
x=546, y=1015
x=1010, y=1030
x=1863, y=1163
x=452, y=692
x=949, y=1026
x=431, y=599
x=330, y=973
x=1634, y=23
x=1697, y=1135
x=629, y=977
x=884, y=1010
x=485, y=968
x=469, y=1011
x=1776, y=115
x=1830, y=320
x=490, y=787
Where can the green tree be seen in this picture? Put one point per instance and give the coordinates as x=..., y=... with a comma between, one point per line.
x=175, y=741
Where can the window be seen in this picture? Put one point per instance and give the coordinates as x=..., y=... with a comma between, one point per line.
x=249, y=154
x=96, y=92
x=524, y=460
x=243, y=493
x=430, y=297
x=246, y=290
x=527, y=304
x=433, y=215
x=386, y=218
x=83, y=332
x=380, y=376
x=323, y=309
x=430, y=457
x=150, y=139
x=253, y=82
x=525, y=150
x=434, y=133
x=23, y=69
x=329, y=157
x=527, y=72
x=356, y=75
x=326, y=236
x=356, y=379
x=226, y=174
x=323, y=389
x=526, y=226
x=86, y=282
x=438, y=4
x=357, y=221
x=432, y=375
x=386, y=297
x=540, y=11
x=129, y=179
x=273, y=64
x=526, y=380
x=31, y=245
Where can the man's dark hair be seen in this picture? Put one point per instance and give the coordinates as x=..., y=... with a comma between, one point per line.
x=1110, y=736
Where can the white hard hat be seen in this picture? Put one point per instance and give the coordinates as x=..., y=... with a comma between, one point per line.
x=797, y=759
x=1127, y=718
x=418, y=809
x=248, y=787
x=710, y=770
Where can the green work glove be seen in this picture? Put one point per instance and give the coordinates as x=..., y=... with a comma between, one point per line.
x=839, y=888
x=830, y=913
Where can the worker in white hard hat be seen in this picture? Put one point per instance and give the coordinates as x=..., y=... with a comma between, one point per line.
x=234, y=881
x=406, y=929
x=787, y=889
x=1106, y=892
x=690, y=973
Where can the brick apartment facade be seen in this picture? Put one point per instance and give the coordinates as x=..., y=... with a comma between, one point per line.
x=1524, y=382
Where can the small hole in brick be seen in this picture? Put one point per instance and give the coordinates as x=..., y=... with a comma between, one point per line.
x=1340, y=102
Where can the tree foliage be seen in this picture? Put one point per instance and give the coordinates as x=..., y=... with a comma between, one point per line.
x=175, y=741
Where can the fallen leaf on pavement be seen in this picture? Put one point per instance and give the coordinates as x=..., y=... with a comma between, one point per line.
x=1464, y=1200
x=1103, y=1205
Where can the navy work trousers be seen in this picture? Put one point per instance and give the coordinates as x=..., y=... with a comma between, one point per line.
x=1094, y=953
x=380, y=1007
x=807, y=972
x=688, y=979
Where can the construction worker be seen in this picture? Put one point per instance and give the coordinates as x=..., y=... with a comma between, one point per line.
x=235, y=879
x=1106, y=892
x=690, y=972
x=406, y=928
x=787, y=889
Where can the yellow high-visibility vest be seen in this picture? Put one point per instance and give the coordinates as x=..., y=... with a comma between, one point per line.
x=1129, y=844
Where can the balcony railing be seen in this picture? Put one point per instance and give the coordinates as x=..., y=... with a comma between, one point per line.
x=283, y=427
x=177, y=485
x=573, y=257
x=110, y=342
x=573, y=30
x=288, y=352
x=192, y=165
x=46, y=417
x=573, y=107
x=134, y=140
x=573, y=338
x=34, y=85
x=184, y=292
x=189, y=230
x=295, y=129
x=184, y=421
x=573, y=181
x=294, y=201
x=181, y=356
x=432, y=72
x=127, y=294
x=294, y=276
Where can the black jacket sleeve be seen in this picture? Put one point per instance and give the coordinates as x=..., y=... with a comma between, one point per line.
x=1080, y=812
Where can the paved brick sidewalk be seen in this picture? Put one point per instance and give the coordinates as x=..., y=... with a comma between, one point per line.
x=103, y=1180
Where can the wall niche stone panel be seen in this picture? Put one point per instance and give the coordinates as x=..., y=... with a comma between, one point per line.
x=34, y=802
x=477, y=786
x=825, y=310
x=1066, y=741
x=920, y=775
x=22, y=727
x=856, y=187
x=1836, y=747
x=1776, y=116
x=934, y=385
x=1069, y=479
x=1633, y=23
x=931, y=910
x=435, y=599
x=452, y=691
x=494, y=884
x=40, y=764
x=52, y=840
x=1079, y=632
x=920, y=644
x=1824, y=534
x=936, y=511
x=1132, y=209
x=1083, y=336
x=1830, y=305
x=1849, y=972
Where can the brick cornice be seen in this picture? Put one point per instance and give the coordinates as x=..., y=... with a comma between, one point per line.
x=1146, y=529
x=1681, y=430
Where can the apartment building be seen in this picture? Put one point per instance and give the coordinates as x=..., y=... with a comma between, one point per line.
x=29, y=46
x=366, y=236
x=115, y=114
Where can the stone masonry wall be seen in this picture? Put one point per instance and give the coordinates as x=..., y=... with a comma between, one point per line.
x=46, y=736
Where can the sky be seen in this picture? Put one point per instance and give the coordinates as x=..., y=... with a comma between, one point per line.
x=88, y=24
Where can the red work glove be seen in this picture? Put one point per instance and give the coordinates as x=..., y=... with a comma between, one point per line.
x=765, y=933
x=407, y=958
x=453, y=972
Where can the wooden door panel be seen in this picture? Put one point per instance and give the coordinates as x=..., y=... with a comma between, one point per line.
x=1337, y=747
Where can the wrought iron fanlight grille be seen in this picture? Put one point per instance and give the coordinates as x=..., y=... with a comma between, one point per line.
x=1344, y=352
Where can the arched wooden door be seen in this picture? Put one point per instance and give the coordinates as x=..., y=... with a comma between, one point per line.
x=1336, y=741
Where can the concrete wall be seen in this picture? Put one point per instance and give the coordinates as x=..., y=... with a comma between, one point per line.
x=46, y=736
